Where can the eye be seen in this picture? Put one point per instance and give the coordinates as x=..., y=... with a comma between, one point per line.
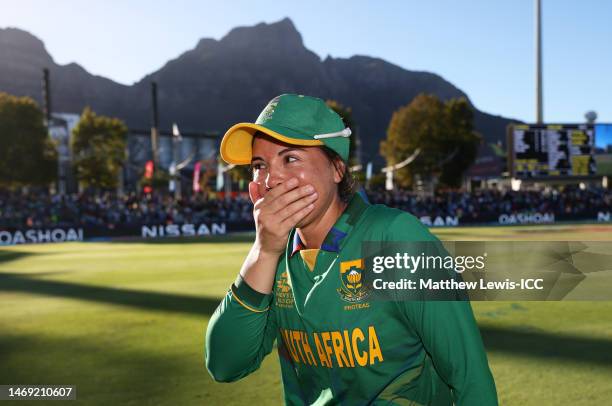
x=290, y=158
x=257, y=165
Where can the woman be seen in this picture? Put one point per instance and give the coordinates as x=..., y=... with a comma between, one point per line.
x=335, y=344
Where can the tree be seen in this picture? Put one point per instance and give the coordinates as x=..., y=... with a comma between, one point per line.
x=346, y=113
x=28, y=156
x=460, y=133
x=99, y=150
x=443, y=132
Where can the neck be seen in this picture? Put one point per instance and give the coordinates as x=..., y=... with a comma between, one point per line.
x=314, y=233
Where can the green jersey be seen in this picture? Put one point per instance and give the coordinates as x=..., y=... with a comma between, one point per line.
x=337, y=347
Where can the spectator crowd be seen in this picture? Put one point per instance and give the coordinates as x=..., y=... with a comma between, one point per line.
x=488, y=204
x=42, y=210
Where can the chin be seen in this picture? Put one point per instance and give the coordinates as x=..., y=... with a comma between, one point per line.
x=303, y=223
x=308, y=219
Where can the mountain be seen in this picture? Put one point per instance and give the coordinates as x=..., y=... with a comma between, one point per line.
x=221, y=82
x=23, y=57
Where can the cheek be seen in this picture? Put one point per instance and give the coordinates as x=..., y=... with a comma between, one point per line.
x=304, y=177
x=260, y=179
x=319, y=177
x=303, y=174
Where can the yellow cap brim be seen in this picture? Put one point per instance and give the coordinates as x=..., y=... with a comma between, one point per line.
x=236, y=145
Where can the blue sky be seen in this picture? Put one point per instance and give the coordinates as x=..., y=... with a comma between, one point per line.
x=603, y=136
x=484, y=47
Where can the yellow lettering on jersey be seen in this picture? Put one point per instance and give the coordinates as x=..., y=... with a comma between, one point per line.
x=320, y=352
x=362, y=359
x=328, y=350
x=297, y=339
x=307, y=350
x=348, y=347
x=339, y=349
x=375, y=351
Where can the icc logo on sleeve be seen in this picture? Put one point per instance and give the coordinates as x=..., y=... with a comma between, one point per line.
x=284, y=296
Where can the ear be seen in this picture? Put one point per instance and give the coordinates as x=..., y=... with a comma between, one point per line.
x=339, y=169
x=254, y=192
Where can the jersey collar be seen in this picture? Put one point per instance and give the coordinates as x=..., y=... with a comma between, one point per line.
x=335, y=237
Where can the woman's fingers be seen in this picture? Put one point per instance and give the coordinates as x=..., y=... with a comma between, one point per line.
x=279, y=210
x=281, y=189
x=296, y=206
x=269, y=198
x=296, y=217
x=281, y=196
x=284, y=200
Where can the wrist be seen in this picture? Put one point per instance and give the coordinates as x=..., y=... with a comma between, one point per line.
x=266, y=253
x=259, y=268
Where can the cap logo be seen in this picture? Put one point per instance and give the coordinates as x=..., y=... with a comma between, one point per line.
x=266, y=114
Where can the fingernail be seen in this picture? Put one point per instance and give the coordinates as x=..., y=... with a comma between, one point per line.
x=314, y=195
x=309, y=189
x=292, y=182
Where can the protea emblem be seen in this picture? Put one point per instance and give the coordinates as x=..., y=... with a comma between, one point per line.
x=352, y=287
x=354, y=277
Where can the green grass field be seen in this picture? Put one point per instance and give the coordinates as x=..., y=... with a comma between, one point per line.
x=124, y=321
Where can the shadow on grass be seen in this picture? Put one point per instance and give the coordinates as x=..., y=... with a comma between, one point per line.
x=536, y=344
x=9, y=255
x=103, y=374
x=170, y=302
x=540, y=344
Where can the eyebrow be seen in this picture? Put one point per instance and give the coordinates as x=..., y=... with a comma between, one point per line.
x=284, y=151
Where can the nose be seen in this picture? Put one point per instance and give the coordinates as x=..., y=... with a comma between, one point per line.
x=274, y=178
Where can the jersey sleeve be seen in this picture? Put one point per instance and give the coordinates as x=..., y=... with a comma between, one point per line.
x=448, y=330
x=240, y=333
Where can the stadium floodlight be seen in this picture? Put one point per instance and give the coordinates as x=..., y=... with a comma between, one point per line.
x=175, y=131
x=154, y=124
x=538, y=41
x=176, y=176
x=590, y=116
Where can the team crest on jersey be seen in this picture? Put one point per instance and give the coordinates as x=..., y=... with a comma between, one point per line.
x=352, y=285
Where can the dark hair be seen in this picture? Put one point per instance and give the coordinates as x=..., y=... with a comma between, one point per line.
x=347, y=185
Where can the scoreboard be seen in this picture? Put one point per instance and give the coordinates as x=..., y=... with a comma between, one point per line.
x=544, y=151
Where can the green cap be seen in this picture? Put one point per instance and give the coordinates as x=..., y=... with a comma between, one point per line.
x=293, y=119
